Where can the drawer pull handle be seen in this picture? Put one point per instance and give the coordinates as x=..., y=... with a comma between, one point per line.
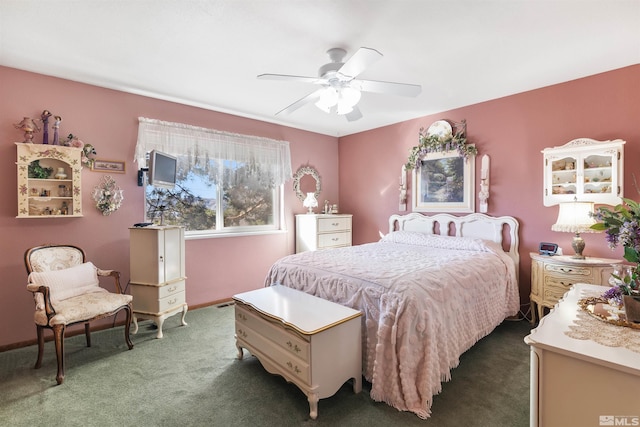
x=335, y=239
x=242, y=333
x=293, y=347
x=335, y=224
x=242, y=317
x=172, y=288
x=173, y=301
x=566, y=270
x=293, y=368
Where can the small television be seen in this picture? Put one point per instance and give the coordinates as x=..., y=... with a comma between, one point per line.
x=162, y=169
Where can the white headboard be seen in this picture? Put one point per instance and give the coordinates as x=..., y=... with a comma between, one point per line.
x=474, y=225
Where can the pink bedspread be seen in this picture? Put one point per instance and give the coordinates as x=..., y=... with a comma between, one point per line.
x=426, y=299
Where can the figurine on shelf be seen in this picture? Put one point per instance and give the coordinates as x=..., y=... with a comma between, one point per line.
x=56, y=126
x=29, y=127
x=45, y=121
x=60, y=174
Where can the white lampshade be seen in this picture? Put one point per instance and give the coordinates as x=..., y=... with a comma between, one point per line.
x=575, y=217
x=310, y=202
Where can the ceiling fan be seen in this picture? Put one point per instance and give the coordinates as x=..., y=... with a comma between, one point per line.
x=340, y=91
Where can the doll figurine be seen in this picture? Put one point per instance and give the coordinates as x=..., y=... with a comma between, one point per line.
x=45, y=131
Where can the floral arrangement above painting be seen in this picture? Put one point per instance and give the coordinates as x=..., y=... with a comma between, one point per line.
x=440, y=137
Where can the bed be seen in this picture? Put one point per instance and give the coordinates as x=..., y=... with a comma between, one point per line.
x=428, y=290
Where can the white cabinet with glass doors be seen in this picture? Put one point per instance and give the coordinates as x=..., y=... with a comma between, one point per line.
x=585, y=170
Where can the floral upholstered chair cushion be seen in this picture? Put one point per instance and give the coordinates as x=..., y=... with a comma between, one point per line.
x=67, y=291
x=55, y=258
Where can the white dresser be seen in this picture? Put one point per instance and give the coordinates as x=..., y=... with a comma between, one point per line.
x=157, y=270
x=313, y=343
x=322, y=231
x=584, y=372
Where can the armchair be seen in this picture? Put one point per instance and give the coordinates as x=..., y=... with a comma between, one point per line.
x=66, y=291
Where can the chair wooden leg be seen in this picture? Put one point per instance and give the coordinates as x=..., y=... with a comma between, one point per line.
x=58, y=334
x=87, y=333
x=40, y=334
x=127, y=326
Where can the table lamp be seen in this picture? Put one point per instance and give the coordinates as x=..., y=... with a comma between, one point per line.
x=575, y=217
x=310, y=202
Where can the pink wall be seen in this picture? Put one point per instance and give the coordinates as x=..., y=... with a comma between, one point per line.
x=512, y=131
x=216, y=268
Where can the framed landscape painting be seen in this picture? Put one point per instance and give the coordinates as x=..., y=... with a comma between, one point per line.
x=444, y=182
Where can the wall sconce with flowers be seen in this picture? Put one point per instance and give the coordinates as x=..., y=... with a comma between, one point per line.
x=108, y=196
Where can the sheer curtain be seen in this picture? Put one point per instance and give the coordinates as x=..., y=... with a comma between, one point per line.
x=197, y=145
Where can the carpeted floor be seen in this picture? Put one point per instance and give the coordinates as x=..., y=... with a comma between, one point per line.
x=191, y=377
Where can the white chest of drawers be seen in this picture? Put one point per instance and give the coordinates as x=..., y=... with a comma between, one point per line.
x=313, y=343
x=581, y=382
x=322, y=231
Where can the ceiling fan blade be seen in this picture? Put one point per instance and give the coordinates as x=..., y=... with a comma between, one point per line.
x=360, y=60
x=303, y=79
x=401, y=89
x=312, y=97
x=354, y=115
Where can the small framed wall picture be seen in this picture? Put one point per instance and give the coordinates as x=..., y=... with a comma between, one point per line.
x=111, y=166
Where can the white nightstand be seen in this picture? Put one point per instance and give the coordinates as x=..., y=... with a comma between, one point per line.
x=322, y=231
x=553, y=276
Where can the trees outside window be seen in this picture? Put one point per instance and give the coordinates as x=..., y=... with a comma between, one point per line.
x=220, y=196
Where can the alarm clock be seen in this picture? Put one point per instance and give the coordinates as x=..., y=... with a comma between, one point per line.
x=547, y=248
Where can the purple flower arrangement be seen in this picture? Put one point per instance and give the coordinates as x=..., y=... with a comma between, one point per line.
x=621, y=226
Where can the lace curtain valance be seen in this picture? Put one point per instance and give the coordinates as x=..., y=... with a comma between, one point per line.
x=198, y=145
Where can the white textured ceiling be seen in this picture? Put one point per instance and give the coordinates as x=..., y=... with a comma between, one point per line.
x=208, y=53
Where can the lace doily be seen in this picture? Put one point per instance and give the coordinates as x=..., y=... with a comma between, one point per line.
x=585, y=327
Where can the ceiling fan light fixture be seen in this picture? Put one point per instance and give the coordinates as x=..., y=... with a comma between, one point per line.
x=343, y=109
x=340, y=89
x=347, y=99
x=328, y=99
x=343, y=98
x=349, y=96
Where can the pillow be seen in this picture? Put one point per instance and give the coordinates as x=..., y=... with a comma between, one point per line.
x=435, y=241
x=68, y=282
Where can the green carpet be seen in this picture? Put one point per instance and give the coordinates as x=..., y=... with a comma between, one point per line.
x=191, y=377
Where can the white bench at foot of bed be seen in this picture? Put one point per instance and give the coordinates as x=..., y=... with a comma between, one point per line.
x=313, y=343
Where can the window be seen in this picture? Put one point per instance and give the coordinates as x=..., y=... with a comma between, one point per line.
x=226, y=183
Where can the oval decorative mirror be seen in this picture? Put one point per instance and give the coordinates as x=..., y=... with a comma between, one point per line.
x=306, y=180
